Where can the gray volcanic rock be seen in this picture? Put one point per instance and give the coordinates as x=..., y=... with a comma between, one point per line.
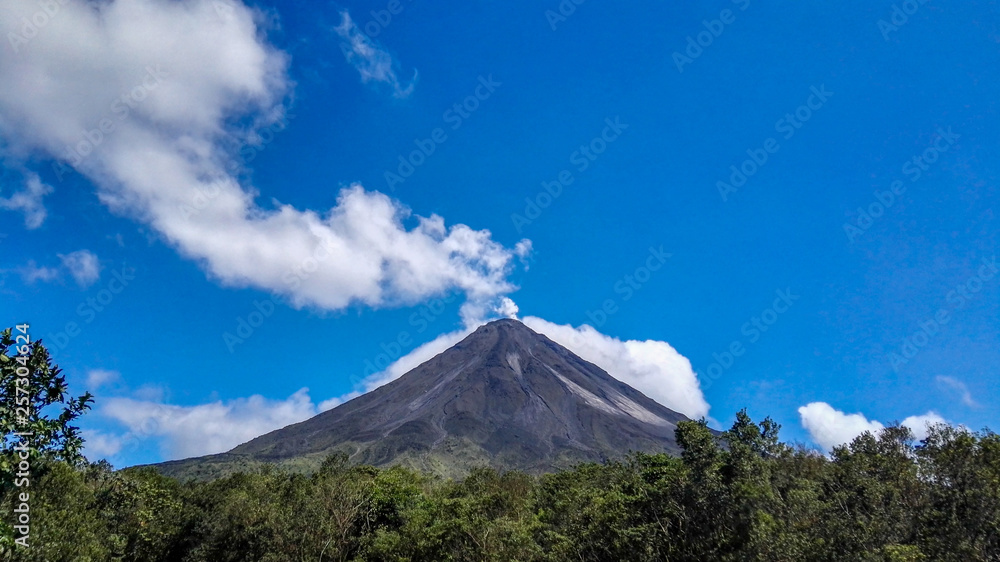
x=505, y=396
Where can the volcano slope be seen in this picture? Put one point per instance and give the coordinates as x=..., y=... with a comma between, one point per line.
x=505, y=397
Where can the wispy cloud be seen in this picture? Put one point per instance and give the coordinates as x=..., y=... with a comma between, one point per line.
x=97, y=378
x=83, y=266
x=960, y=388
x=101, y=444
x=32, y=272
x=29, y=201
x=371, y=60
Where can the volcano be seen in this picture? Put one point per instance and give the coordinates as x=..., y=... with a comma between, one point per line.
x=505, y=397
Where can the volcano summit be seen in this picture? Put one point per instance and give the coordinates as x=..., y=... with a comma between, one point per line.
x=505, y=396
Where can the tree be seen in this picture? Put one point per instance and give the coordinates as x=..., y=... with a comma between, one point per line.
x=873, y=495
x=754, y=505
x=36, y=423
x=962, y=520
x=705, y=525
x=34, y=399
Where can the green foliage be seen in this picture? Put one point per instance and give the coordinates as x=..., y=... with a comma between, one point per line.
x=741, y=495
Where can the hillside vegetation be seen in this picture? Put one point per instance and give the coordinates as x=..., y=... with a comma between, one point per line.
x=880, y=498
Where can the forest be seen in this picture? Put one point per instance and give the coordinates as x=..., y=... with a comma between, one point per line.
x=741, y=495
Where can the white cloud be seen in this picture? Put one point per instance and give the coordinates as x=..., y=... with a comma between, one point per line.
x=33, y=272
x=203, y=429
x=829, y=427
x=170, y=111
x=97, y=378
x=83, y=265
x=150, y=392
x=373, y=62
x=507, y=308
x=652, y=367
x=29, y=201
x=100, y=445
x=960, y=388
x=523, y=250
x=918, y=424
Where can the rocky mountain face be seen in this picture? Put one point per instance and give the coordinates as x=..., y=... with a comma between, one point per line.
x=505, y=396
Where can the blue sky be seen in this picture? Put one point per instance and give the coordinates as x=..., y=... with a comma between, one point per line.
x=847, y=267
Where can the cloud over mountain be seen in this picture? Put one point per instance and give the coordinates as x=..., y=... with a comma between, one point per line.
x=185, y=431
x=652, y=367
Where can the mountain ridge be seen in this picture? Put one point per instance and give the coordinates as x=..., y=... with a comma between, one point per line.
x=504, y=396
